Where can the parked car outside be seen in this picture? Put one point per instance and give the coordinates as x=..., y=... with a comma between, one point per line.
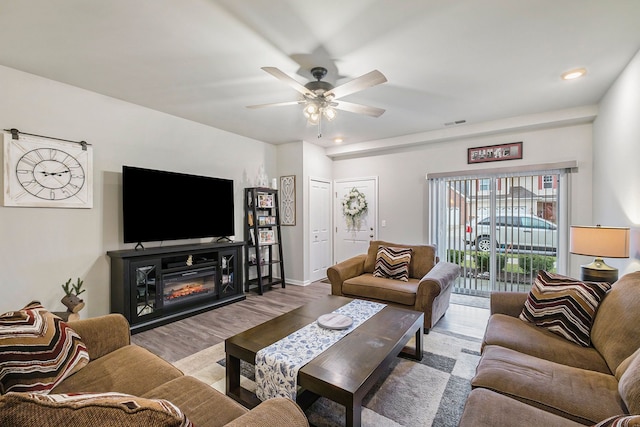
x=518, y=233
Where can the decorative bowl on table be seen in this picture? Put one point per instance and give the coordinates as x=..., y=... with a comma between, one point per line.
x=334, y=321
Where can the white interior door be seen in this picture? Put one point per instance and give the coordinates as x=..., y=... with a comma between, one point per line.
x=354, y=240
x=319, y=227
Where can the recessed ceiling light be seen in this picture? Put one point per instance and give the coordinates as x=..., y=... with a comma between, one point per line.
x=573, y=74
x=338, y=140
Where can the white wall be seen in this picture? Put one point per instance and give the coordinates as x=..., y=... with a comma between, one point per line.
x=304, y=160
x=403, y=188
x=616, y=152
x=290, y=163
x=40, y=248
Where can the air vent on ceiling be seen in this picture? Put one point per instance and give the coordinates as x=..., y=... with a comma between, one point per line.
x=457, y=122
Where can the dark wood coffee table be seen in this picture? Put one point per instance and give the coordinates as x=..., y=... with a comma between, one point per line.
x=347, y=370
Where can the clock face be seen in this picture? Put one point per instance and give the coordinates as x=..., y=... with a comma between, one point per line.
x=41, y=172
x=50, y=174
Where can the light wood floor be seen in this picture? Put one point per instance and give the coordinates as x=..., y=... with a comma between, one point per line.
x=177, y=340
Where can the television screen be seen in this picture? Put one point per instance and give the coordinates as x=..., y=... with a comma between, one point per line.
x=160, y=205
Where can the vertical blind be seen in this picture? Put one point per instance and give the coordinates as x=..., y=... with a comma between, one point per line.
x=501, y=225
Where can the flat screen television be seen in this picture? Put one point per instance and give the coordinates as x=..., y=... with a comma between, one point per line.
x=160, y=205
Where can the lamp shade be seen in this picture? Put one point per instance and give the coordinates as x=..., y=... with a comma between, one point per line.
x=604, y=242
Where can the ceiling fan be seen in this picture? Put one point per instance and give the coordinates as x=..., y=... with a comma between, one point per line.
x=321, y=98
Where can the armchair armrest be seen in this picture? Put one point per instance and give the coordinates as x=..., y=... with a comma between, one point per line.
x=345, y=270
x=435, y=282
x=509, y=303
x=273, y=412
x=103, y=334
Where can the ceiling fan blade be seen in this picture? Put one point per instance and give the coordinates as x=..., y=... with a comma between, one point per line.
x=275, y=72
x=359, y=109
x=275, y=104
x=372, y=78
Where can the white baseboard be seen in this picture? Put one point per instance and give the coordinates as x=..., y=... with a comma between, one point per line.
x=298, y=282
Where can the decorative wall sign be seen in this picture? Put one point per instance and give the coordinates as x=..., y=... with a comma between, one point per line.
x=47, y=172
x=494, y=153
x=288, y=200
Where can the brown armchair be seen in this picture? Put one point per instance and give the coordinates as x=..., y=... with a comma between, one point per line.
x=428, y=289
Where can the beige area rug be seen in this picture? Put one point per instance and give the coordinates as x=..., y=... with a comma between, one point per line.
x=427, y=393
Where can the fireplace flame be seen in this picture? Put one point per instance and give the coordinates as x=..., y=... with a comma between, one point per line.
x=186, y=290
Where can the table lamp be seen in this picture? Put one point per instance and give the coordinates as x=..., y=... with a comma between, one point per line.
x=600, y=242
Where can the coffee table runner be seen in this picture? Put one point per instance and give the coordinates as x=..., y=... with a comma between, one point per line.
x=277, y=365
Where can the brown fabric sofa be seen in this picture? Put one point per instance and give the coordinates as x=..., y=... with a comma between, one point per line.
x=530, y=376
x=428, y=289
x=116, y=365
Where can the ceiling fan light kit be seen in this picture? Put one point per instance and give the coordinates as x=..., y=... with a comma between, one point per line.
x=320, y=98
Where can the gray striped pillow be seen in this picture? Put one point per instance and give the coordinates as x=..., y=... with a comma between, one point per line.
x=393, y=263
x=564, y=306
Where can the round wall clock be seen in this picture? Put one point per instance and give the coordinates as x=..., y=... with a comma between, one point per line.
x=41, y=172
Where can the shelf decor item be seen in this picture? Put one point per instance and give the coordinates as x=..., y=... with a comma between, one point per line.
x=41, y=171
x=354, y=207
x=265, y=200
x=288, y=199
x=494, y=153
x=266, y=237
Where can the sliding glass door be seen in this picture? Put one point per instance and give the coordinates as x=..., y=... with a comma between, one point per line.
x=500, y=228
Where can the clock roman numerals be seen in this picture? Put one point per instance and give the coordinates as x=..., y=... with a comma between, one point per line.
x=50, y=174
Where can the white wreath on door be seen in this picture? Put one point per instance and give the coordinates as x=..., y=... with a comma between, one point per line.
x=354, y=207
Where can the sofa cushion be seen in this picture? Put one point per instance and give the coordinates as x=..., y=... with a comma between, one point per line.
x=37, y=350
x=197, y=400
x=367, y=286
x=511, y=332
x=112, y=372
x=564, y=306
x=628, y=374
x=486, y=408
x=583, y=396
x=615, y=330
x=88, y=409
x=423, y=258
x=620, y=421
x=393, y=263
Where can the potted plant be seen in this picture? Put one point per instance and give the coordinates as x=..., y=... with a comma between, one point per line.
x=71, y=300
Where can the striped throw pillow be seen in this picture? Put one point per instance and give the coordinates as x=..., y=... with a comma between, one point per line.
x=564, y=306
x=37, y=350
x=620, y=421
x=393, y=263
x=89, y=409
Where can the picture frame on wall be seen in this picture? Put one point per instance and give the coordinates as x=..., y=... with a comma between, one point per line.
x=495, y=153
x=288, y=200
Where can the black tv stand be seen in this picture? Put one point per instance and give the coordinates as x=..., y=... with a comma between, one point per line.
x=224, y=239
x=139, y=247
x=158, y=285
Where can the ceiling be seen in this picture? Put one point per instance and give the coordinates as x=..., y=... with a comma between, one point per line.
x=445, y=60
